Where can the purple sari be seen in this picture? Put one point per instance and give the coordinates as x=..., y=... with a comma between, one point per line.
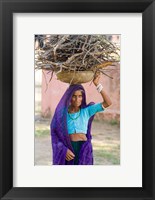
x=59, y=135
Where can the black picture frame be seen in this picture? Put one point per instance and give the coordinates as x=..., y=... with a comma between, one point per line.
x=7, y=8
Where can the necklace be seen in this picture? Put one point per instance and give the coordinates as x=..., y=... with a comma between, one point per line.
x=75, y=117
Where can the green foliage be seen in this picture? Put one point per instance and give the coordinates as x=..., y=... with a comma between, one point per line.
x=42, y=132
x=109, y=157
x=114, y=122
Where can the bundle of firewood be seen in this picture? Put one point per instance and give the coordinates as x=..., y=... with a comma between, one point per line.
x=68, y=53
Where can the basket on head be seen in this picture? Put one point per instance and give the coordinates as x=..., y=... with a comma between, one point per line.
x=75, y=77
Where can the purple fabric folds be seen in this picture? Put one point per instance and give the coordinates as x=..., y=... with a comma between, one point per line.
x=59, y=135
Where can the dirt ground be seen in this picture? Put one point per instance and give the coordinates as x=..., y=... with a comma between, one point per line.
x=106, y=145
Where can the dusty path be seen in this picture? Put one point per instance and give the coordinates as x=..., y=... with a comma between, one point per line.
x=106, y=145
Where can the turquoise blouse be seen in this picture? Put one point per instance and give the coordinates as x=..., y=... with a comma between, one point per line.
x=78, y=122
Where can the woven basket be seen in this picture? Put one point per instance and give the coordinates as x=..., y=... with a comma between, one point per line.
x=75, y=77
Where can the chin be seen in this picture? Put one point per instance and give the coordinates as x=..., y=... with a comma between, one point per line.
x=78, y=105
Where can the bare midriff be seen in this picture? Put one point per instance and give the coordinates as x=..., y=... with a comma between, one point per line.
x=78, y=137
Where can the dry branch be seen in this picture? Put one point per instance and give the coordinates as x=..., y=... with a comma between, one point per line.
x=76, y=53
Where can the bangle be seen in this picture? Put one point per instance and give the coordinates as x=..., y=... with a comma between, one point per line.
x=99, y=87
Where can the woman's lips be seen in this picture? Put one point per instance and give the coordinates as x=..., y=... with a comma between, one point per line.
x=77, y=103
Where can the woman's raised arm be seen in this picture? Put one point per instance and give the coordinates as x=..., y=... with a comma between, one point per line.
x=106, y=99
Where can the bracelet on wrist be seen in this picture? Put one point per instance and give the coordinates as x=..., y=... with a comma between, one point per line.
x=99, y=87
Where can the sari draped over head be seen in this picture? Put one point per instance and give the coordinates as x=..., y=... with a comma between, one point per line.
x=59, y=134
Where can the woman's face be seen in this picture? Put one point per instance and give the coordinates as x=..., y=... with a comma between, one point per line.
x=76, y=99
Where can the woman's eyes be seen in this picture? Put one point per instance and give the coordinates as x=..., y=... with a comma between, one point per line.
x=77, y=96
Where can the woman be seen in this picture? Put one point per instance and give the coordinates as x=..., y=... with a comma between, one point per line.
x=71, y=126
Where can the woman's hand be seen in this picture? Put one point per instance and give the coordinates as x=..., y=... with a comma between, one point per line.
x=69, y=155
x=106, y=100
x=96, y=78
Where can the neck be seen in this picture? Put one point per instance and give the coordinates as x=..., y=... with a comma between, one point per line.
x=73, y=109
